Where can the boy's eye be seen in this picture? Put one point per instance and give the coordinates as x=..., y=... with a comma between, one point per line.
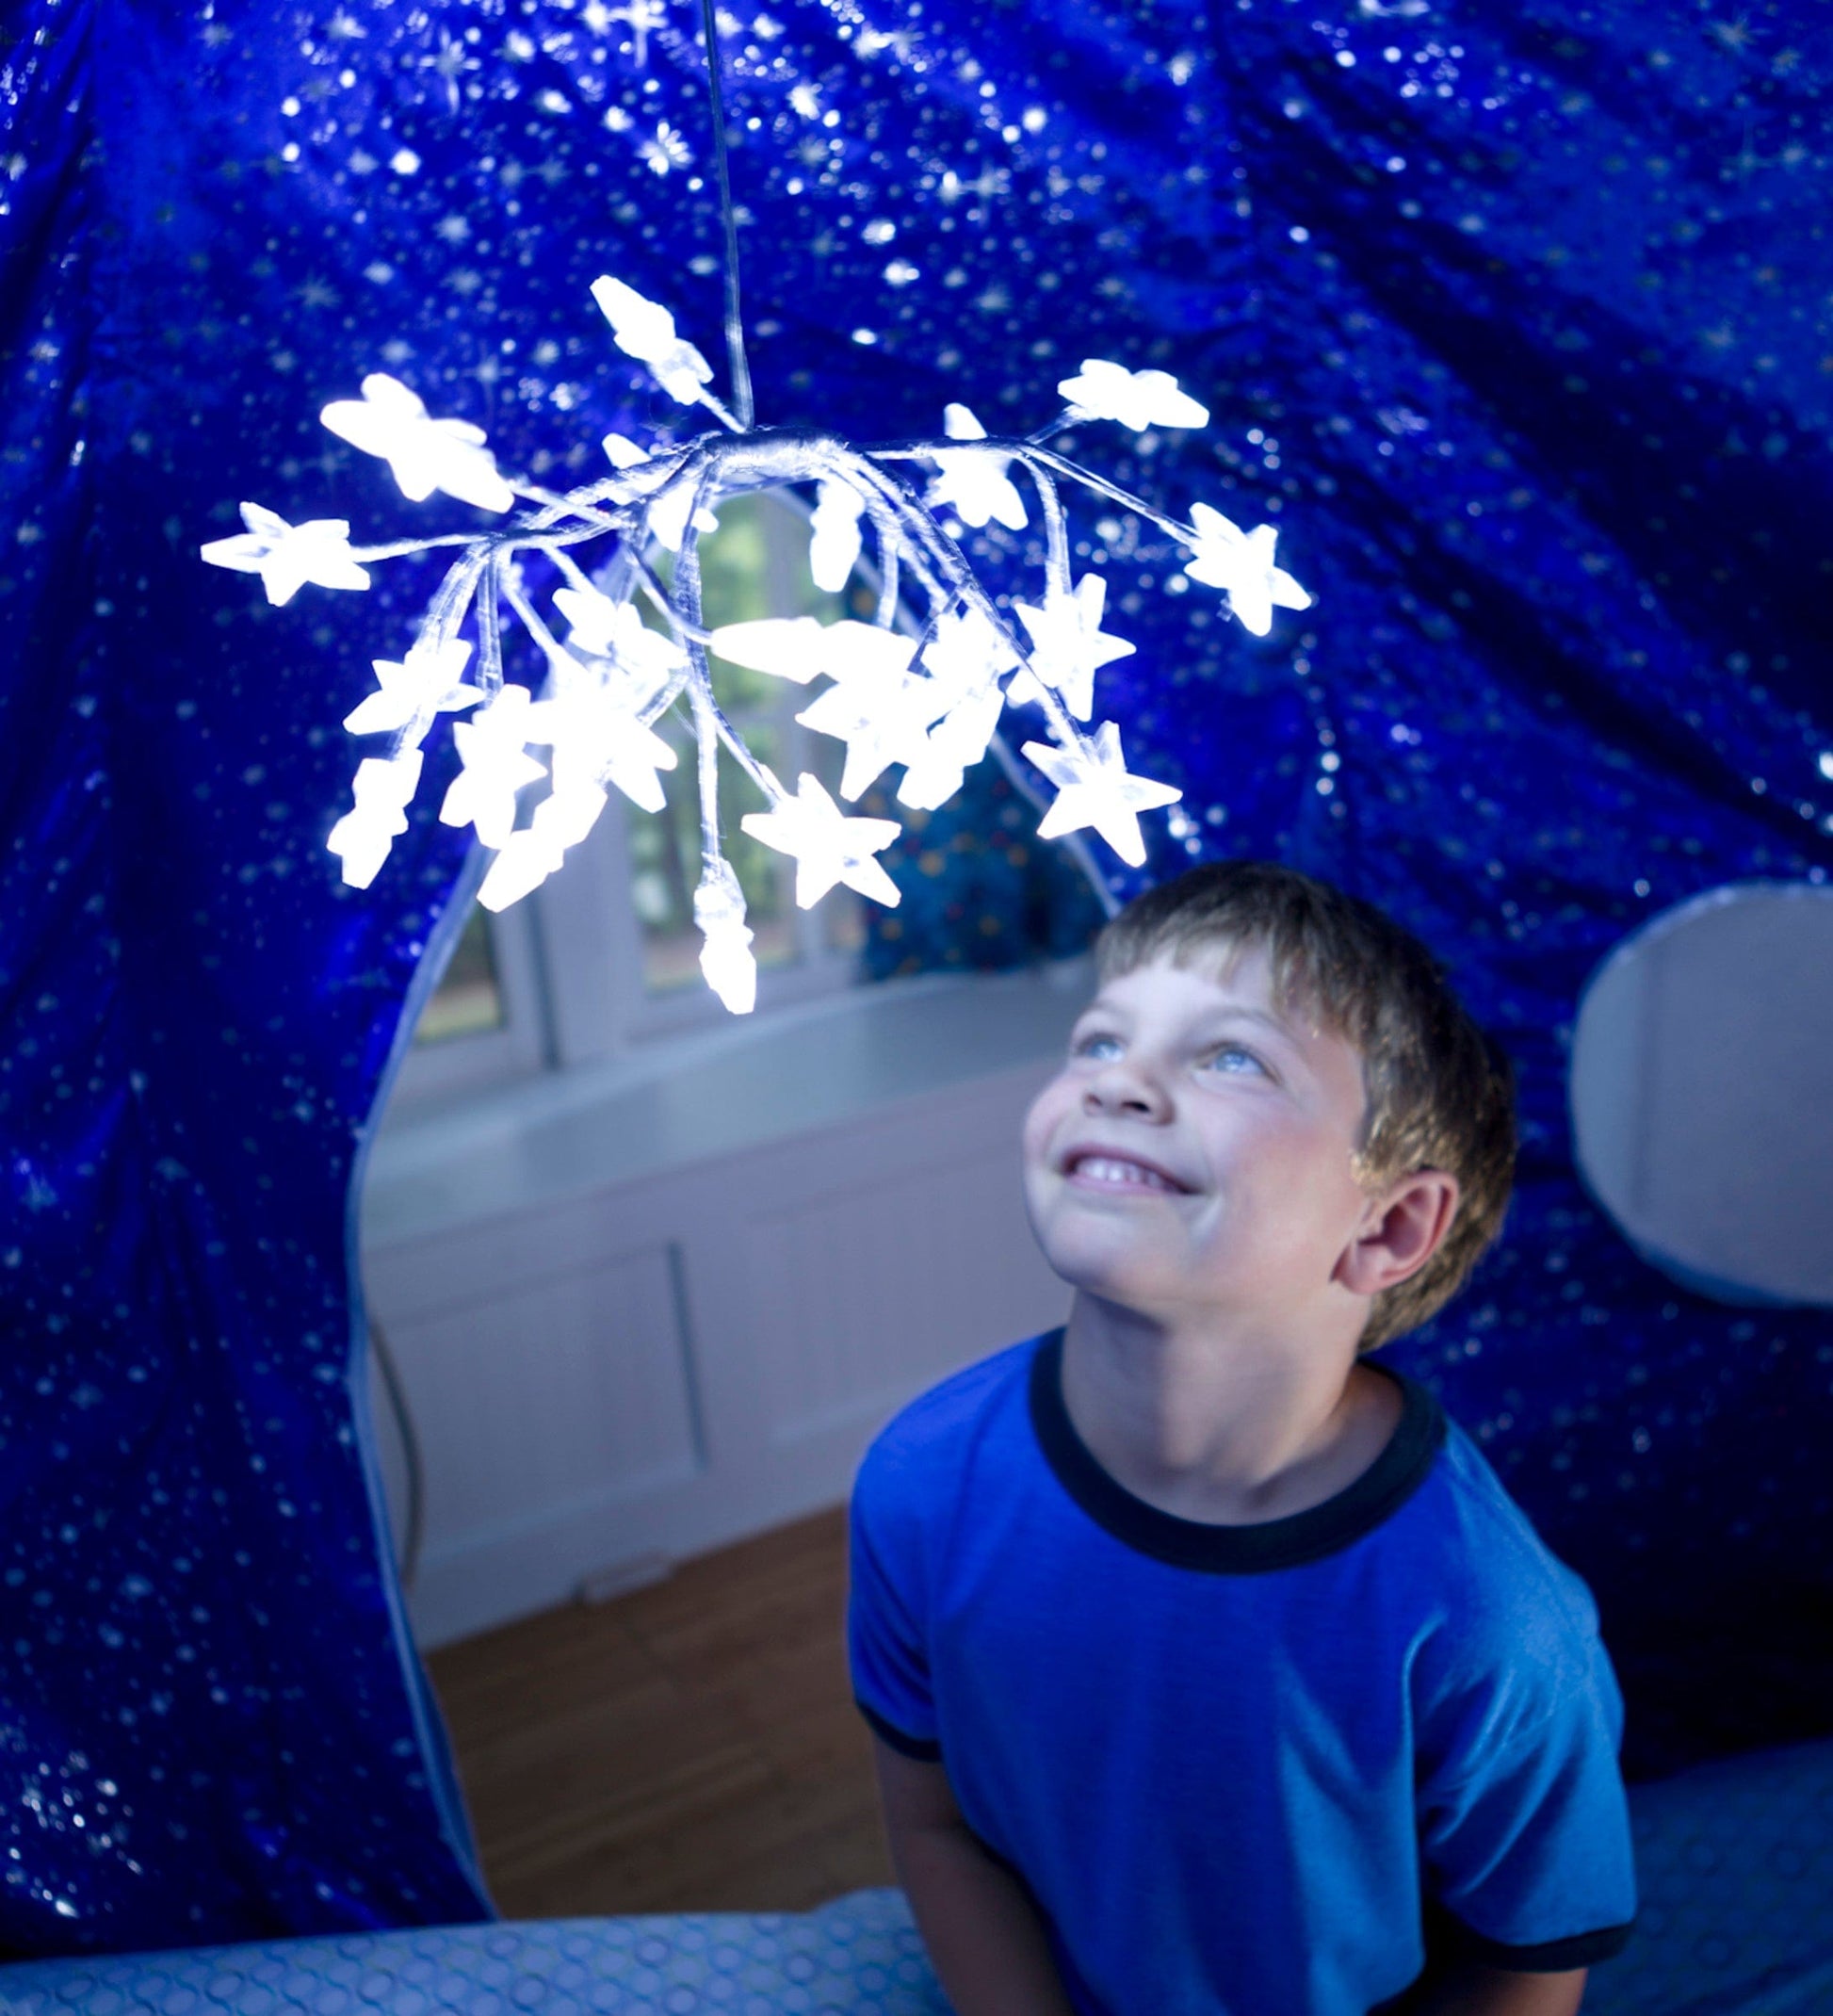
x=1096, y=1048
x=1232, y=1060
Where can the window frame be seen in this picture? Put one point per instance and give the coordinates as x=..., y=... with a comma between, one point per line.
x=521, y=1046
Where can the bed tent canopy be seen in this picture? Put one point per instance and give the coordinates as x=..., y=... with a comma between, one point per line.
x=1505, y=318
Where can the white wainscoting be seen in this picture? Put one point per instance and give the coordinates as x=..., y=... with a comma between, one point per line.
x=606, y=1374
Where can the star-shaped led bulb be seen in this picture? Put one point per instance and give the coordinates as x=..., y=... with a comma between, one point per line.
x=493, y=748
x=527, y=859
x=882, y=717
x=827, y=846
x=967, y=653
x=956, y=742
x=1138, y=400
x=1068, y=644
x=799, y=647
x=644, y=330
x=1242, y=563
x=426, y=454
x=604, y=628
x=429, y=681
x=966, y=660
x=287, y=556
x=974, y=482
x=727, y=960
x=594, y=734
x=363, y=838
x=1094, y=790
x=834, y=535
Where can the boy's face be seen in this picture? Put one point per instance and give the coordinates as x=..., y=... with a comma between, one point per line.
x=1194, y=1151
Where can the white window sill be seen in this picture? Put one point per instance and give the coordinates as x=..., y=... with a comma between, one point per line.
x=715, y=1092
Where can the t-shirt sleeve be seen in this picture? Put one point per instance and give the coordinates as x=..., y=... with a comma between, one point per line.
x=1524, y=1823
x=886, y=1645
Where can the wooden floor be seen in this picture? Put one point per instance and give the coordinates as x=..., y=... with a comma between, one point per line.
x=690, y=1747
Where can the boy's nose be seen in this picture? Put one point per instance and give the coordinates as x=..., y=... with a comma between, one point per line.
x=1124, y=1087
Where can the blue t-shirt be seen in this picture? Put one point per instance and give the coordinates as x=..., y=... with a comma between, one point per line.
x=1242, y=1769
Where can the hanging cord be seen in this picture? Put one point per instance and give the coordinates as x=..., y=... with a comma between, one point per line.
x=735, y=328
x=416, y=1492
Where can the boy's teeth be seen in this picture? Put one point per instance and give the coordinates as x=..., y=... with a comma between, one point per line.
x=1105, y=1169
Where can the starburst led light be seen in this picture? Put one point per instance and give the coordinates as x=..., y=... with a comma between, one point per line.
x=930, y=702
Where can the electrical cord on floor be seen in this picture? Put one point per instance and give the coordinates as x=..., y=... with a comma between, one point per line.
x=391, y=1379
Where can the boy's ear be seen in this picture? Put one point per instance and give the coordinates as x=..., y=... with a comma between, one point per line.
x=1407, y=1226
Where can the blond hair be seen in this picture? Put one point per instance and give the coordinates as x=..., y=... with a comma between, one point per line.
x=1441, y=1091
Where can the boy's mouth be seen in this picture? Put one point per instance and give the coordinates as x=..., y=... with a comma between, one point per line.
x=1111, y=1169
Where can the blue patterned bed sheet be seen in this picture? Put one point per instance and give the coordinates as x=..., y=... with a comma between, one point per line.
x=1735, y=1861
x=858, y=1956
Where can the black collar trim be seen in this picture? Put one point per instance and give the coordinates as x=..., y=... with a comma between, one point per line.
x=1392, y=1478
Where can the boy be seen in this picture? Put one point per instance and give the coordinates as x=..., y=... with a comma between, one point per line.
x=1210, y=1669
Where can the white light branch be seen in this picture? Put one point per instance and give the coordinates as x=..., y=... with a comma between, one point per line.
x=931, y=703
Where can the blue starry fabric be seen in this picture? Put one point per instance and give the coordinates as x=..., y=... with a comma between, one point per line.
x=1513, y=319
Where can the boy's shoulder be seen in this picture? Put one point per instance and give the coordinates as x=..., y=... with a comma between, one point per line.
x=934, y=1427
x=1481, y=1524
x=1505, y=1599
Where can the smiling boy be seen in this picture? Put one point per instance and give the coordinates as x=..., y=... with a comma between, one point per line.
x=1211, y=1671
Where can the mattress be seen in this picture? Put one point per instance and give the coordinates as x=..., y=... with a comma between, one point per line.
x=1735, y=1863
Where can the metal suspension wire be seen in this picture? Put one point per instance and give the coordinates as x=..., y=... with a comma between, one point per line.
x=743, y=406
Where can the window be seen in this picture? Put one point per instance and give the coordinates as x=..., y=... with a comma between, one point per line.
x=469, y=999
x=1701, y=1076
x=605, y=953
